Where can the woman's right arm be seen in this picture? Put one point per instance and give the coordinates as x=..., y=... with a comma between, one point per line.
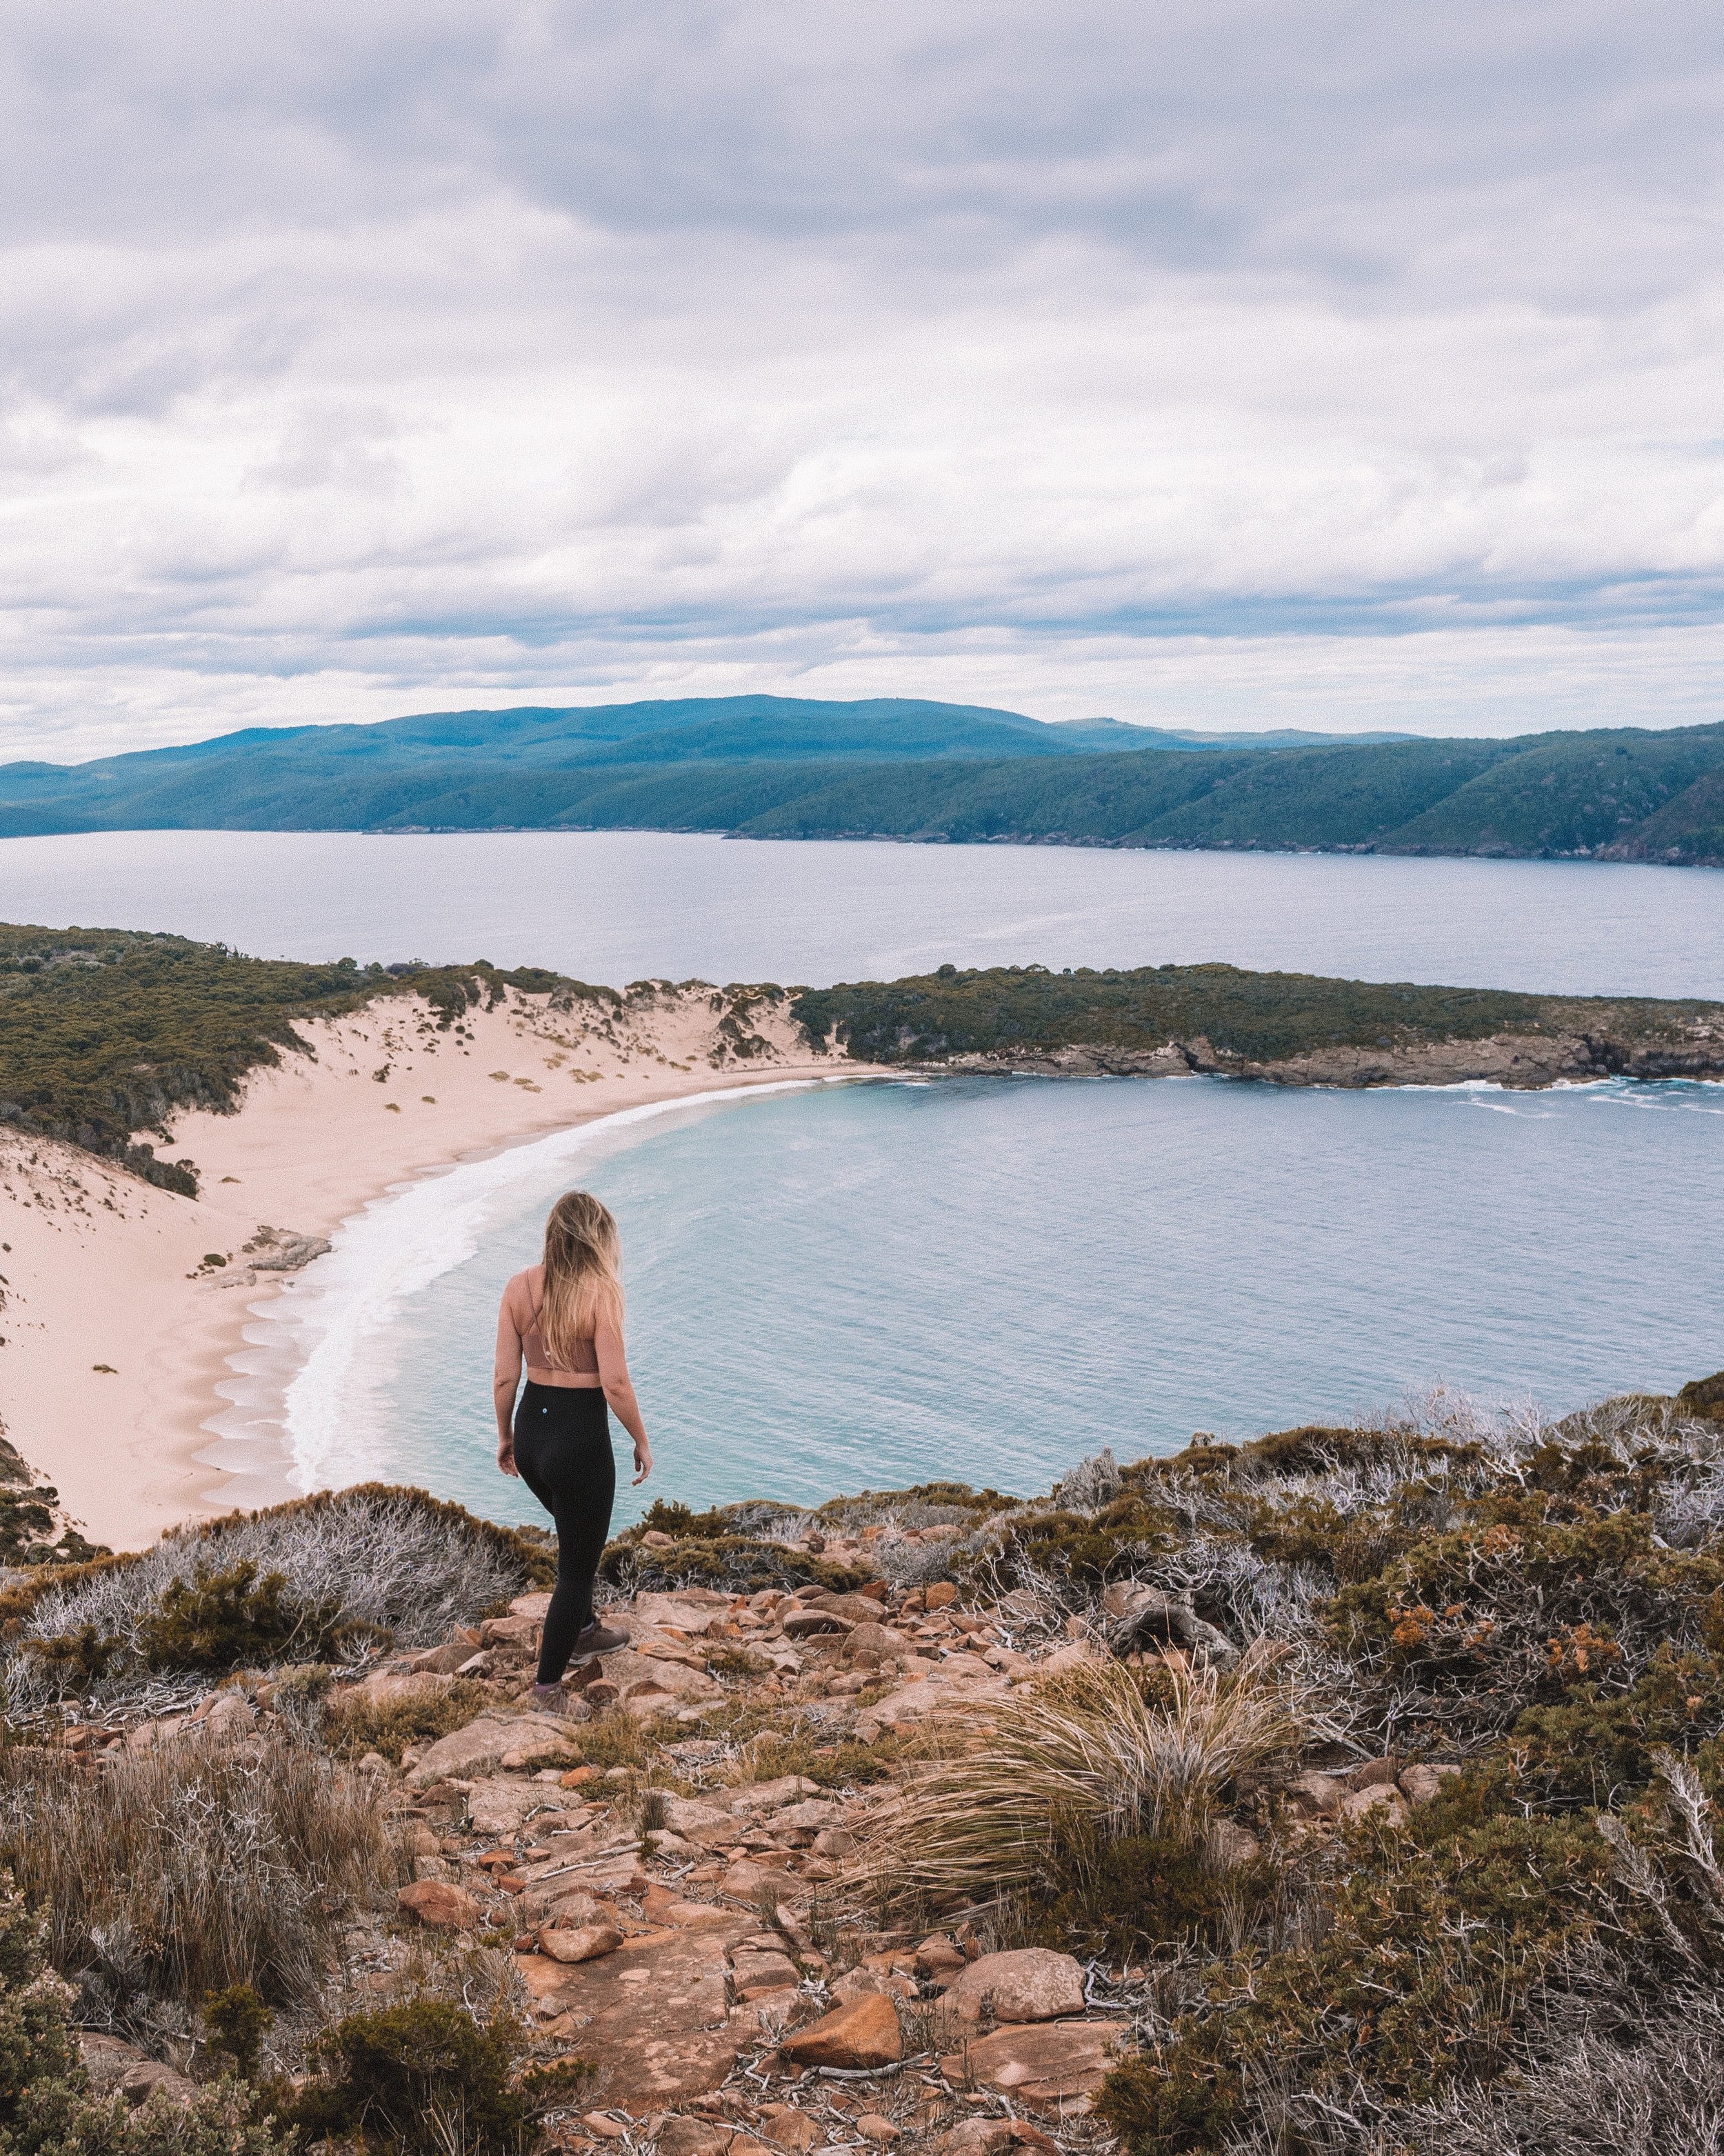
x=619, y=1387
x=505, y=1381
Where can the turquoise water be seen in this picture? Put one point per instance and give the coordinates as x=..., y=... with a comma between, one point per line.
x=875, y=1283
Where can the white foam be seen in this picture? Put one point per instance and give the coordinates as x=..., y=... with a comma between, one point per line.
x=337, y=1321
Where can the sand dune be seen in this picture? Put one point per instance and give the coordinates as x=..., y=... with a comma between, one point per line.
x=117, y=1331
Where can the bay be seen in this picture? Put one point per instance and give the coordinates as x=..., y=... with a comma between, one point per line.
x=883, y=1283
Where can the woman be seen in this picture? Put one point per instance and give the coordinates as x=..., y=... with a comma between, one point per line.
x=564, y=1319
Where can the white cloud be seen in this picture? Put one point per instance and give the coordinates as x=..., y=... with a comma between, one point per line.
x=1239, y=366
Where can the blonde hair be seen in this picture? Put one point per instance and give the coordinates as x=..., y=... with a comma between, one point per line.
x=582, y=1251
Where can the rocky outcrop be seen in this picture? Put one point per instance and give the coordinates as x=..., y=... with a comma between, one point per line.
x=1517, y=1060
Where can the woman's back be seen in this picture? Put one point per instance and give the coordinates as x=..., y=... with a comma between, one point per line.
x=523, y=1298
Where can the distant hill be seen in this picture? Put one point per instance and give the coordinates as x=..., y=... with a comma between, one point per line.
x=777, y=766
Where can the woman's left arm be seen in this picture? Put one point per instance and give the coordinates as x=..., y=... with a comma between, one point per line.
x=619, y=1388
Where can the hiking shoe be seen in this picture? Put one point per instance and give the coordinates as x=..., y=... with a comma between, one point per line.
x=548, y=1695
x=597, y=1640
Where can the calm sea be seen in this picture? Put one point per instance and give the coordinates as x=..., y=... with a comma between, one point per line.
x=874, y=1284
x=622, y=906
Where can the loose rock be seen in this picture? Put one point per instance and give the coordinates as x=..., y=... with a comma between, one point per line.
x=865, y=2033
x=437, y=1902
x=1032, y=1984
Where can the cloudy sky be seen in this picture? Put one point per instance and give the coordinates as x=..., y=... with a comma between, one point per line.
x=1232, y=364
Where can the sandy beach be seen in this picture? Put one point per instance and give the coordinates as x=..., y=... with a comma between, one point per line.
x=117, y=1330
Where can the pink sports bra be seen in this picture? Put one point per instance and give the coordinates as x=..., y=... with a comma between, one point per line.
x=536, y=1356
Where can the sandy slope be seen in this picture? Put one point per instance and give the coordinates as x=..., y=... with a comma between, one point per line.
x=116, y=1333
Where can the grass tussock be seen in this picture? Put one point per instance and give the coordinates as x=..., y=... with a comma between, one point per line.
x=174, y=1873
x=319, y=1579
x=354, y=1725
x=1069, y=1767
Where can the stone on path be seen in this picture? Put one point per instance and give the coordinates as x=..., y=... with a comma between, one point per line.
x=865, y=2033
x=653, y=2015
x=441, y=1904
x=1034, y=1984
x=498, y=1808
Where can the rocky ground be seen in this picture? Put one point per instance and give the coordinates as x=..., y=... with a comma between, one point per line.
x=700, y=1932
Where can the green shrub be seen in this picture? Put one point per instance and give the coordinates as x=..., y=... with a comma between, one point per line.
x=1432, y=1942
x=235, y=1620
x=739, y=1564
x=956, y=1499
x=426, y=2075
x=235, y=2022
x=1516, y=1607
x=1134, y=1891
x=74, y=1661
x=27, y=1527
x=1313, y=1531
x=1087, y=1548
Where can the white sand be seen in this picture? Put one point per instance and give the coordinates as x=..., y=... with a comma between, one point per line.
x=100, y=1269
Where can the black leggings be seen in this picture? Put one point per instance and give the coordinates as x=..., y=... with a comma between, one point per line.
x=562, y=1447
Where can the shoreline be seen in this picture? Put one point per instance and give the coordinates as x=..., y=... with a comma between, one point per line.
x=122, y=1344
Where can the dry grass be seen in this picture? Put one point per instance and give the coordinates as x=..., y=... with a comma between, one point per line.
x=1067, y=1765
x=170, y=1874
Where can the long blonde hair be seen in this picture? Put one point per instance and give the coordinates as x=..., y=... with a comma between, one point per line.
x=582, y=1287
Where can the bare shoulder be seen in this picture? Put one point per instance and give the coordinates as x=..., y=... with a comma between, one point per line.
x=520, y=1293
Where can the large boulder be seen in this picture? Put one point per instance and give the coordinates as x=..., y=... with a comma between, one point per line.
x=691, y=1609
x=1137, y=1615
x=1032, y=1984
x=1423, y=1785
x=867, y=1645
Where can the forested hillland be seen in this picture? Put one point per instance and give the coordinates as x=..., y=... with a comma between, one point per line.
x=785, y=768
